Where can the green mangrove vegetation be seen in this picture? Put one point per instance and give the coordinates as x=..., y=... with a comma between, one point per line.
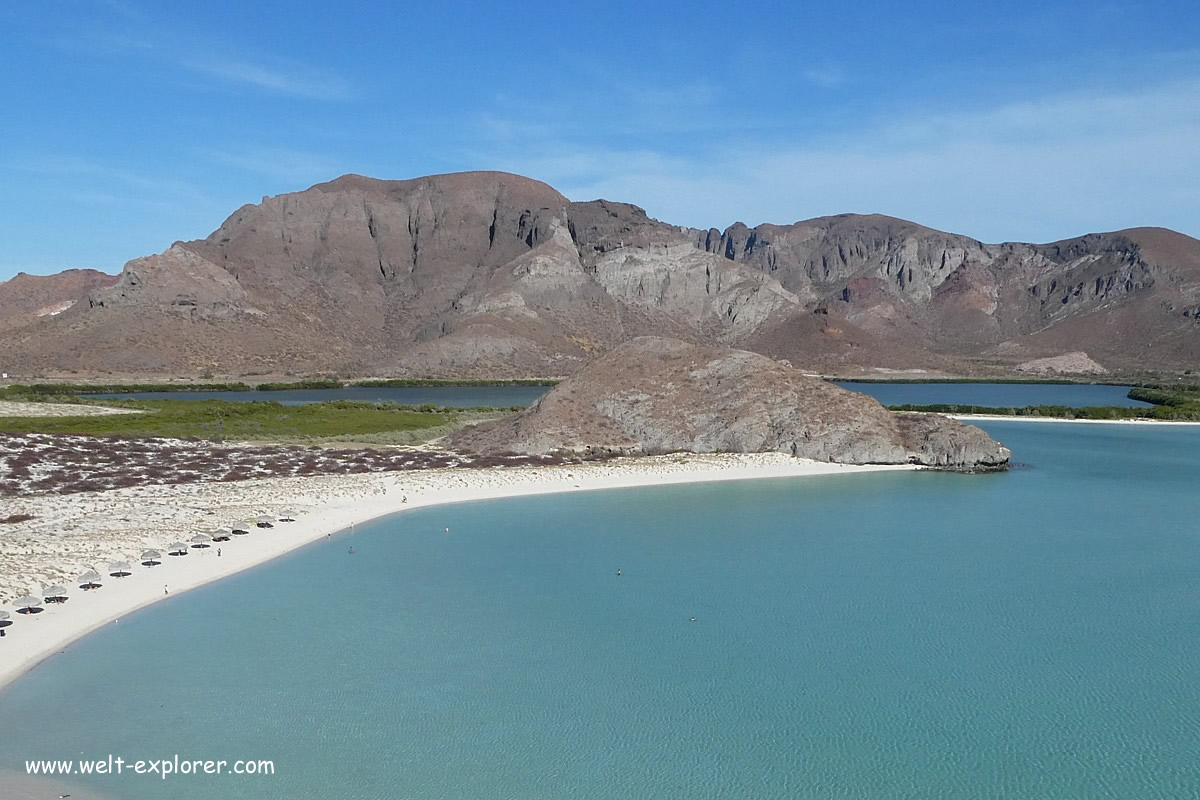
x=425, y=382
x=21, y=391
x=1169, y=404
x=218, y=420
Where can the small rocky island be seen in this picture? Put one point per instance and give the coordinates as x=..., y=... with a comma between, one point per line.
x=656, y=395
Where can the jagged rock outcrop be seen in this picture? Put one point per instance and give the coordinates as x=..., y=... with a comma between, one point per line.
x=1077, y=363
x=655, y=395
x=486, y=274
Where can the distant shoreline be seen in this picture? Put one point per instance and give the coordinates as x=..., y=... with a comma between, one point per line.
x=33, y=638
x=76, y=386
x=1020, y=418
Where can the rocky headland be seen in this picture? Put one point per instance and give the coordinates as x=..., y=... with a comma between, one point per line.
x=656, y=395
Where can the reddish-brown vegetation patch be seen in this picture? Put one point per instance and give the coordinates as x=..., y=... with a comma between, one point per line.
x=42, y=464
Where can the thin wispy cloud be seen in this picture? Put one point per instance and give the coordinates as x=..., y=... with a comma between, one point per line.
x=124, y=10
x=131, y=34
x=1040, y=169
x=282, y=79
x=118, y=181
x=828, y=76
x=295, y=166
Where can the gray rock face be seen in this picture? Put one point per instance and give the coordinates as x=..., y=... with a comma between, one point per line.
x=655, y=395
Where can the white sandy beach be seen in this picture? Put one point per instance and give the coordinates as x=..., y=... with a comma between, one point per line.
x=15, y=408
x=76, y=532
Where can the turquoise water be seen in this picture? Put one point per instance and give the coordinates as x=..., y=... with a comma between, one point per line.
x=996, y=395
x=1034, y=634
x=450, y=396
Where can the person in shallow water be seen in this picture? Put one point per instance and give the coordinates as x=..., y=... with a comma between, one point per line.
x=351, y=550
x=618, y=571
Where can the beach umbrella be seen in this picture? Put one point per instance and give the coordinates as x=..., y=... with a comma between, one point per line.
x=264, y=522
x=27, y=605
x=200, y=540
x=241, y=528
x=55, y=594
x=119, y=569
x=89, y=580
x=151, y=558
x=287, y=515
x=177, y=549
x=4, y=619
x=220, y=535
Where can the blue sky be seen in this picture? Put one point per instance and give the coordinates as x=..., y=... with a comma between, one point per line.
x=128, y=125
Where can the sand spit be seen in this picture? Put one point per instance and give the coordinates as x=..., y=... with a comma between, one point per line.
x=13, y=408
x=72, y=533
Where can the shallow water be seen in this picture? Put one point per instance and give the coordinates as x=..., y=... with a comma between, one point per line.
x=897, y=635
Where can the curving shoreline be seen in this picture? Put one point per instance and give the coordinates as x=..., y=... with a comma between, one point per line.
x=328, y=506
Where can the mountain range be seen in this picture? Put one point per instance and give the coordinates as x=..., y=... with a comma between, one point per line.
x=488, y=274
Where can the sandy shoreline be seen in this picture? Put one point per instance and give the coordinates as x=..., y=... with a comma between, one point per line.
x=14, y=408
x=75, y=532
x=1014, y=418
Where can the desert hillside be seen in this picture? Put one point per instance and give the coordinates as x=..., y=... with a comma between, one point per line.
x=487, y=274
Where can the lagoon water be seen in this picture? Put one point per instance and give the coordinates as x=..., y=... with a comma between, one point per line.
x=1034, y=634
x=996, y=395
x=984, y=394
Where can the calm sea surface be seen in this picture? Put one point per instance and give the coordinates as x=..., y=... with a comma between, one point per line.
x=1034, y=634
x=984, y=394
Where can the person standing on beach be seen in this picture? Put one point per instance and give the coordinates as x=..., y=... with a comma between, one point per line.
x=218, y=552
x=165, y=589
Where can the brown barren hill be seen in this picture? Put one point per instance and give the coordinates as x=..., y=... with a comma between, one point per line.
x=655, y=395
x=493, y=275
x=25, y=299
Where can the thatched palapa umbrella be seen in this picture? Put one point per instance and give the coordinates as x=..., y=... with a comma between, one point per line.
x=119, y=569
x=151, y=558
x=264, y=521
x=177, y=549
x=240, y=528
x=221, y=535
x=55, y=594
x=4, y=619
x=89, y=580
x=27, y=604
x=200, y=540
x=287, y=515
